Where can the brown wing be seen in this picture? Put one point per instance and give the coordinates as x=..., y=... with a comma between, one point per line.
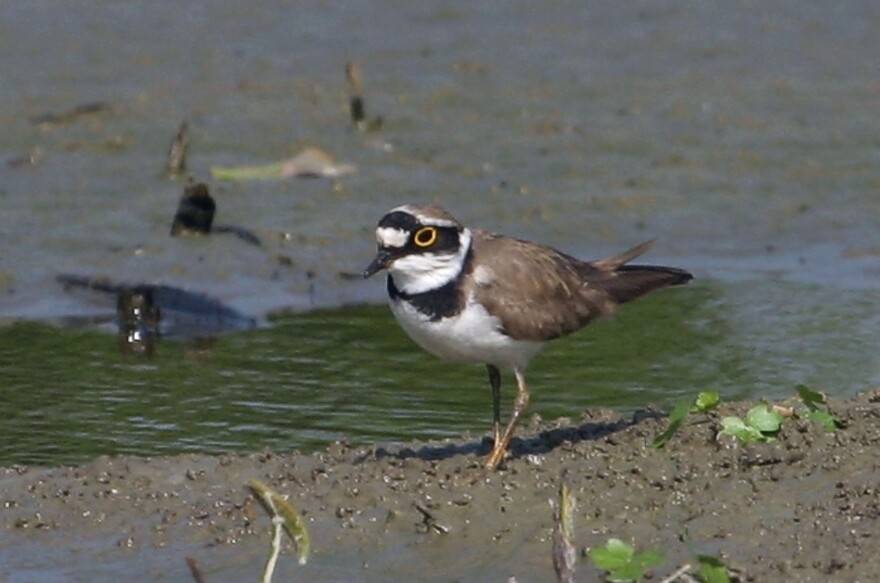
x=540, y=293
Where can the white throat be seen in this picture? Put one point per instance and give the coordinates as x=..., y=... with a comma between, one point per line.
x=415, y=274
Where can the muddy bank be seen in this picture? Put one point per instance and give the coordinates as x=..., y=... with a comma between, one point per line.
x=802, y=508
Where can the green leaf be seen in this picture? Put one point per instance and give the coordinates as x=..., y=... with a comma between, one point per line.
x=681, y=410
x=712, y=570
x=622, y=562
x=649, y=559
x=826, y=420
x=626, y=573
x=812, y=399
x=271, y=171
x=764, y=419
x=706, y=401
x=614, y=555
x=736, y=427
x=760, y=424
x=814, y=402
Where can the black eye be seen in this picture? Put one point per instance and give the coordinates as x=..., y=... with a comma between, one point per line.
x=425, y=237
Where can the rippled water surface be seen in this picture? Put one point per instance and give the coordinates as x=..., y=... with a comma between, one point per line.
x=743, y=137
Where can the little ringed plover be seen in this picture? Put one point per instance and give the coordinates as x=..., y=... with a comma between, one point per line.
x=469, y=295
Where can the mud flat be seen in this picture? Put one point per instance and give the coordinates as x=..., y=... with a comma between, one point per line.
x=804, y=507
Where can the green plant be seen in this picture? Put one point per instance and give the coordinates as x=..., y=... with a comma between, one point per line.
x=704, y=402
x=762, y=423
x=711, y=570
x=622, y=562
x=816, y=404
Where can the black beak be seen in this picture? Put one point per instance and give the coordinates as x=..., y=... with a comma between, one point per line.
x=380, y=262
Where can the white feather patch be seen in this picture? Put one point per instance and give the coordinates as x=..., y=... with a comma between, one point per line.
x=390, y=237
x=472, y=336
x=421, y=272
x=483, y=275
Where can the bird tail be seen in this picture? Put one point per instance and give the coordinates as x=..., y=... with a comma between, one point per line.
x=611, y=264
x=634, y=281
x=625, y=283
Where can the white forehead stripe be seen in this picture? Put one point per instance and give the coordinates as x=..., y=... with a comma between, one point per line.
x=424, y=219
x=435, y=222
x=390, y=237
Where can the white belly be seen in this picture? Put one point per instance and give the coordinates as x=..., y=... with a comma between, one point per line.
x=471, y=336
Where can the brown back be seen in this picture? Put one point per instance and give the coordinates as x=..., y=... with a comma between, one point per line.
x=540, y=293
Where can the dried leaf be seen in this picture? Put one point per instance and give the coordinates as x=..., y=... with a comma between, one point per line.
x=294, y=524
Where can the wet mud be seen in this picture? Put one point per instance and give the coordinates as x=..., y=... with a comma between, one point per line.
x=804, y=507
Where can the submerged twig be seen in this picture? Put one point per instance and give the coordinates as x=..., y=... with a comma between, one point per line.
x=72, y=115
x=430, y=521
x=564, y=552
x=175, y=163
x=681, y=573
x=356, y=98
x=32, y=158
x=194, y=570
x=357, y=106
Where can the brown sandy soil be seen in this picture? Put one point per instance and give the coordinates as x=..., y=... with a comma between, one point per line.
x=802, y=508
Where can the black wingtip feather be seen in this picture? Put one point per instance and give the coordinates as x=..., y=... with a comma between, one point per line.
x=635, y=281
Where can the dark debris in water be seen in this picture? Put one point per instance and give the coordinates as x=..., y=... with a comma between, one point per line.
x=72, y=115
x=147, y=312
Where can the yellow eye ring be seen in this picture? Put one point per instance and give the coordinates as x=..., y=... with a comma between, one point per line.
x=425, y=237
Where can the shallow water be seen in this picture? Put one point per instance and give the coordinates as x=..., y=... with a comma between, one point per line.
x=743, y=138
x=351, y=374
